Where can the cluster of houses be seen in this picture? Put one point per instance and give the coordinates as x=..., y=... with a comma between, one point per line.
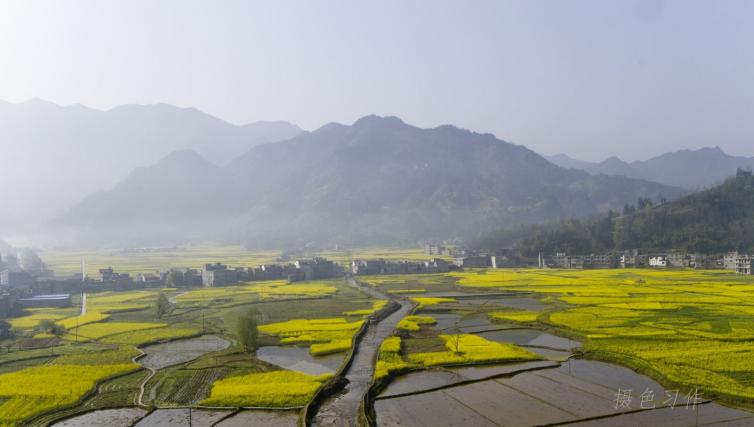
x=436, y=249
x=218, y=274
x=23, y=280
x=741, y=263
x=433, y=265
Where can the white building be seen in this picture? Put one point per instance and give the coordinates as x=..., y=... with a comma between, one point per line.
x=658, y=261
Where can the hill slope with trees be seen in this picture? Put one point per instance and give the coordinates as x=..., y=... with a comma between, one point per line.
x=712, y=221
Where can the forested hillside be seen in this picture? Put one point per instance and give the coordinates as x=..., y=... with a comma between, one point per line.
x=716, y=220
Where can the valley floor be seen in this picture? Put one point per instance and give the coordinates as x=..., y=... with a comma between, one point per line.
x=481, y=347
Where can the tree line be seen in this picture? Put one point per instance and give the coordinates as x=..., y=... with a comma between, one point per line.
x=712, y=221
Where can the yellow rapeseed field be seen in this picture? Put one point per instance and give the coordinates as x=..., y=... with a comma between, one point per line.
x=334, y=332
x=104, y=329
x=425, y=301
x=692, y=327
x=32, y=391
x=268, y=389
x=413, y=323
x=461, y=349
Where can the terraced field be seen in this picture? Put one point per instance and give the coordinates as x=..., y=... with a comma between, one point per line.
x=473, y=334
x=689, y=329
x=192, y=353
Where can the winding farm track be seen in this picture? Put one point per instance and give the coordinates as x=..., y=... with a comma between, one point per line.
x=342, y=409
x=152, y=372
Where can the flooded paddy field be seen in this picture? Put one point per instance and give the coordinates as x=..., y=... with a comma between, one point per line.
x=574, y=391
x=105, y=417
x=299, y=359
x=261, y=418
x=171, y=353
x=546, y=345
x=181, y=417
x=444, y=377
x=453, y=322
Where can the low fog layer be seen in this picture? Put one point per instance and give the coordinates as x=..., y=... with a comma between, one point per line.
x=53, y=156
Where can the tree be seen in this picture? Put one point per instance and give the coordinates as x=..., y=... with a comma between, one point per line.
x=171, y=280
x=163, y=306
x=49, y=326
x=247, y=330
x=5, y=330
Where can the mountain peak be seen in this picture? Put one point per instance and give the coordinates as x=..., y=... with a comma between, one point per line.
x=185, y=157
x=39, y=103
x=381, y=121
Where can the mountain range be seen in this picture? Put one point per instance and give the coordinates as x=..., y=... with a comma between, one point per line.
x=690, y=169
x=377, y=181
x=55, y=155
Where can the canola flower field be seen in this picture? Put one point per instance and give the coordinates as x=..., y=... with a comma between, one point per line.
x=460, y=349
x=103, y=342
x=684, y=327
x=693, y=328
x=325, y=336
x=268, y=389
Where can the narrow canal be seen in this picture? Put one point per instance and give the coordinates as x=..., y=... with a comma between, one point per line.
x=342, y=409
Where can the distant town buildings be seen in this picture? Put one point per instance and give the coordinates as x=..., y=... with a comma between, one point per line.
x=381, y=266
x=633, y=259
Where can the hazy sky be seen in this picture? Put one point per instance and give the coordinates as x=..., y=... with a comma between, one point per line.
x=588, y=78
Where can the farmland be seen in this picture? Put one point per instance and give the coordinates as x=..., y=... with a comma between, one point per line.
x=150, y=260
x=104, y=341
x=684, y=329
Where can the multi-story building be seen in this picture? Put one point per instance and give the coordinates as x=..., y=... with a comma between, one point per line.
x=599, y=261
x=563, y=260
x=317, y=268
x=679, y=259
x=16, y=279
x=433, y=249
x=658, y=261
x=218, y=275
x=730, y=260
x=744, y=264
x=474, y=261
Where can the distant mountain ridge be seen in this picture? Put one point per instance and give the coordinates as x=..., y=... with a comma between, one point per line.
x=691, y=169
x=56, y=155
x=377, y=181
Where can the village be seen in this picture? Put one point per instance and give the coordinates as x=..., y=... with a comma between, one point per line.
x=26, y=282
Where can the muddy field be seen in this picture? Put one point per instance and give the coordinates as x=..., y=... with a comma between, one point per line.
x=181, y=417
x=160, y=356
x=299, y=359
x=105, y=417
x=261, y=418
x=573, y=391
